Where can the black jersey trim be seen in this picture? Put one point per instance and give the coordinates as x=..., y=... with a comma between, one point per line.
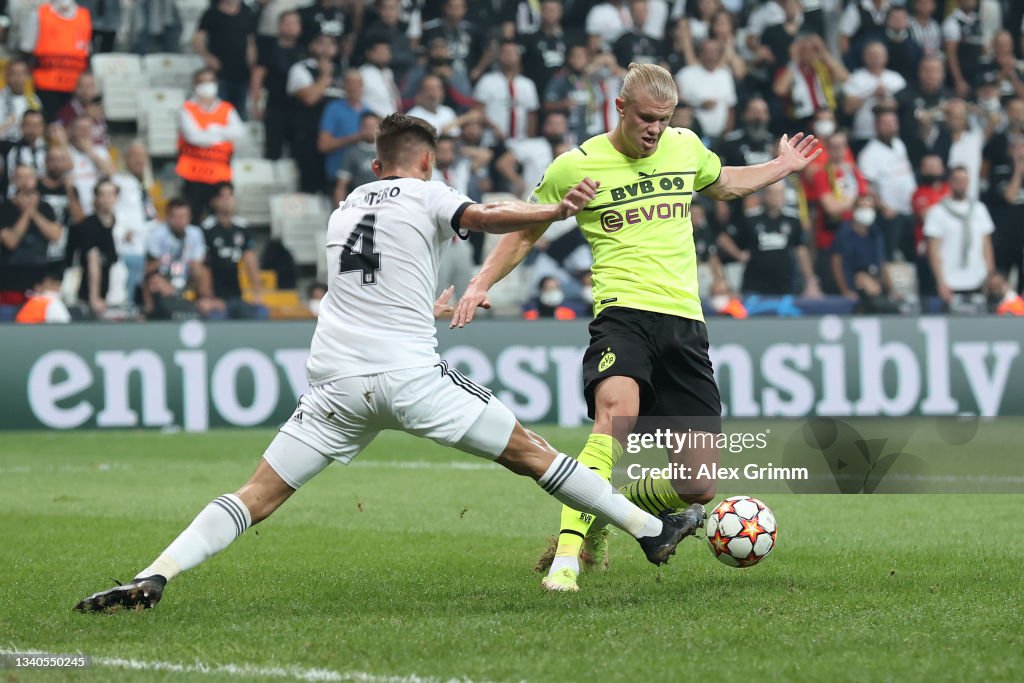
x=713, y=181
x=457, y=221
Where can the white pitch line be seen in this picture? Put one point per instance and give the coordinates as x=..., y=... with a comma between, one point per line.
x=251, y=671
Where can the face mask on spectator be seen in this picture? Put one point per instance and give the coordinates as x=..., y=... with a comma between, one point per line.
x=552, y=298
x=864, y=215
x=824, y=128
x=206, y=91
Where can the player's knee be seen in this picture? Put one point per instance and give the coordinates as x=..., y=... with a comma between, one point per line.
x=692, y=491
x=527, y=453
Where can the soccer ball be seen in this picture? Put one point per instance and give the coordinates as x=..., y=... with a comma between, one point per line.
x=741, y=531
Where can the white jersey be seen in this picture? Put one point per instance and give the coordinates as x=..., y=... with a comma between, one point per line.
x=384, y=245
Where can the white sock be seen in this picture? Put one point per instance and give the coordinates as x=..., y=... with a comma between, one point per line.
x=585, y=490
x=213, y=530
x=561, y=562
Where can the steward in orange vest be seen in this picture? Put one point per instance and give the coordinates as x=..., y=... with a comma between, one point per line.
x=61, y=50
x=209, y=128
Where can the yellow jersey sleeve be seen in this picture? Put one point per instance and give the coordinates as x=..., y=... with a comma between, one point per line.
x=709, y=166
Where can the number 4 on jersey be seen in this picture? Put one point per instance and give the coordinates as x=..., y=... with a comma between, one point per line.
x=365, y=259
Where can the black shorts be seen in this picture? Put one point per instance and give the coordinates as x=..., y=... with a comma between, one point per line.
x=668, y=357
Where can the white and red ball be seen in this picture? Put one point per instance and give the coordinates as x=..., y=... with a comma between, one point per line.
x=741, y=531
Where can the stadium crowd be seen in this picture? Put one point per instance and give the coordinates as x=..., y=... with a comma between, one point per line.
x=917, y=203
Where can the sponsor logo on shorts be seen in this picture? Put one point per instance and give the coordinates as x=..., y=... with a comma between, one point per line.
x=607, y=360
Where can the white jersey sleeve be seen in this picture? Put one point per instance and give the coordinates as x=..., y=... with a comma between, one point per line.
x=384, y=246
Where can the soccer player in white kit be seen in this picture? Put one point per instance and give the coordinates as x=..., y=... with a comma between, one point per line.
x=373, y=366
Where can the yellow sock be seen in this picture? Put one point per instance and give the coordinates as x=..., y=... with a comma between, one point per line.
x=653, y=495
x=600, y=454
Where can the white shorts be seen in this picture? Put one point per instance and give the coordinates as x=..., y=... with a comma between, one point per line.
x=337, y=420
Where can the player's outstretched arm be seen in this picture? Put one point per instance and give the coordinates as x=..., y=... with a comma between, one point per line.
x=795, y=154
x=512, y=248
x=512, y=216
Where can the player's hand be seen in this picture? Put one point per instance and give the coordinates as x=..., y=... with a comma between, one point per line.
x=577, y=198
x=798, y=152
x=474, y=297
x=441, y=307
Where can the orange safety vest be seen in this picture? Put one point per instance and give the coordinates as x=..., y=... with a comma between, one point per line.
x=34, y=311
x=205, y=164
x=62, y=49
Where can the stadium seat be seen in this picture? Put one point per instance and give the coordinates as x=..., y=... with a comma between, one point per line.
x=159, y=109
x=251, y=145
x=167, y=70
x=254, y=184
x=286, y=173
x=298, y=220
x=119, y=77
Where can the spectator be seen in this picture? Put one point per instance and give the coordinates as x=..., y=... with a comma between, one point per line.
x=633, y=45
x=762, y=16
x=339, y=126
x=923, y=103
x=87, y=102
x=523, y=165
x=27, y=229
x=708, y=86
x=388, y=25
x=92, y=242
x=777, y=38
x=316, y=293
x=932, y=190
x=380, y=92
x=809, y=82
x=29, y=150
x=481, y=157
x=227, y=246
x=964, y=44
x=868, y=87
x=549, y=302
x=584, y=92
x=15, y=100
x=886, y=166
x=106, y=21
x=959, y=231
x=1008, y=69
x=966, y=142
x=58, y=34
x=44, y=304
x=430, y=107
x=862, y=22
x=832, y=194
x=208, y=127
x=465, y=44
x=458, y=89
x=226, y=41
x=723, y=29
x=334, y=18
x=695, y=27
x=924, y=30
x=904, y=53
x=607, y=21
x=157, y=26
x=135, y=215
x=57, y=187
x=175, y=257
x=509, y=98
x=858, y=255
x=268, y=32
x=456, y=266
x=753, y=143
x=357, y=169
x=310, y=86
x=673, y=48
x=769, y=240
x=89, y=162
x=544, y=51
x=1004, y=161
x=275, y=60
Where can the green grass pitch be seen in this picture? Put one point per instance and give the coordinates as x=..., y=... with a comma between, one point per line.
x=415, y=563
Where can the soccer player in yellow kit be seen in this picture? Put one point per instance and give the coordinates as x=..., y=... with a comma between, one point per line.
x=648, y=354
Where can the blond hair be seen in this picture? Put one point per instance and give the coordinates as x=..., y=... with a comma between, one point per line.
x=650, y=79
